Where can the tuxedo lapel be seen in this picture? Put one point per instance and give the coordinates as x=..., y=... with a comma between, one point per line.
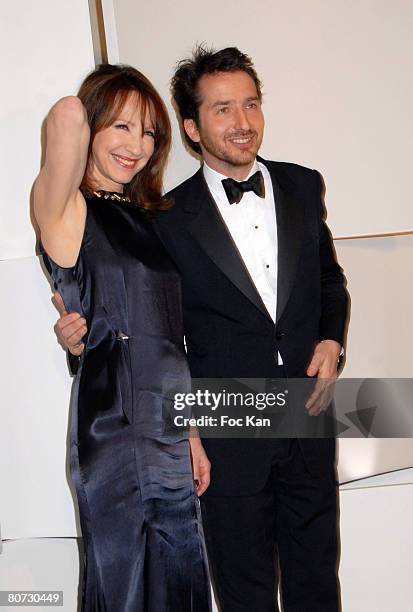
x=289, y=228
x=210, y=231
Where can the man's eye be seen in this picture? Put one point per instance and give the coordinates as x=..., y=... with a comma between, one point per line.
x=252, y=105
x=223, y=110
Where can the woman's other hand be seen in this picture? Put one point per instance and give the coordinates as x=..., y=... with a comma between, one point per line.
x=201, y=466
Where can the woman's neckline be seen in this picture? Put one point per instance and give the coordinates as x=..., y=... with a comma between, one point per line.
x=119, y=198
x=115, y=196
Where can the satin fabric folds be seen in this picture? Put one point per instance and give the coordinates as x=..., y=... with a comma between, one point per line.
x=144, y=547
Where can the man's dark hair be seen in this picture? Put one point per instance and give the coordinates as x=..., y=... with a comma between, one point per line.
x=184, y=84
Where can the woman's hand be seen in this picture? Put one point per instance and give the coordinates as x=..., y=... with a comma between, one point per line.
x=201, y=466
x=70, y=328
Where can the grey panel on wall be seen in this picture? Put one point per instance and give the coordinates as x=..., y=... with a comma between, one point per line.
x=45, y=565
x=376, y=542
x=380, y=338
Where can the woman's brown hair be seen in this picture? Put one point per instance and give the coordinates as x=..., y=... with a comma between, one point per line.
x=104, y=93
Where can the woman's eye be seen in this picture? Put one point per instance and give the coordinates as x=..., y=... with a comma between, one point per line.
x=150, y=133
x=121, y=126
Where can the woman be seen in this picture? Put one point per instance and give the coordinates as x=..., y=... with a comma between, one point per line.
x=101, y=181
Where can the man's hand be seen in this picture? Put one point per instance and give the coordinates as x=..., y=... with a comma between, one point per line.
x=201, y=466
x=70, y=328
x=323, y=365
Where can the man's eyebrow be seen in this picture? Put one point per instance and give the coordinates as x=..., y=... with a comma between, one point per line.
x=222, y=103
x=227, y=102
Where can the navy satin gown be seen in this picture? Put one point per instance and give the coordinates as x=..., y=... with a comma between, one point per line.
x=144, y=547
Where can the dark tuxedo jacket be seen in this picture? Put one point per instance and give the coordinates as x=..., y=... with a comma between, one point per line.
x=228, y=330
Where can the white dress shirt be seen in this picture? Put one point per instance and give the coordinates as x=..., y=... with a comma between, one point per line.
x=253, y=227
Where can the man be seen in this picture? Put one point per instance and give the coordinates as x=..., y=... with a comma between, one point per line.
x=263, y=297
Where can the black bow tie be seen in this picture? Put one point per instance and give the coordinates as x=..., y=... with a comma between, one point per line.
x=235, y=189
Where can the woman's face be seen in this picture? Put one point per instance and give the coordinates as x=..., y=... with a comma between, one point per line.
x=121, y=150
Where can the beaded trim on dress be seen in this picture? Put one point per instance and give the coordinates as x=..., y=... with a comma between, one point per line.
x=108, y=195
x=119, y=197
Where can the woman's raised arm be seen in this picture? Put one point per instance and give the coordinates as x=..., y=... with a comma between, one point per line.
x=59, y=206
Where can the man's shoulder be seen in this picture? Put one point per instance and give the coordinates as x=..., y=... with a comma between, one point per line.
x=181, y=198
x=290, y=171
x=186, y=187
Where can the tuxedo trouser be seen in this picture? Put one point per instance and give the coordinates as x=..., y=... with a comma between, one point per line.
x=295, y=514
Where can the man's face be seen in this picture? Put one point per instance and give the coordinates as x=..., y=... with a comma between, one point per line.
x=231, y=123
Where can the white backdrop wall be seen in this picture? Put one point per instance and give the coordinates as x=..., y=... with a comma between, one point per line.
x=45, y=52
x=338, y=89
x=337, y=97
x=35, y=394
